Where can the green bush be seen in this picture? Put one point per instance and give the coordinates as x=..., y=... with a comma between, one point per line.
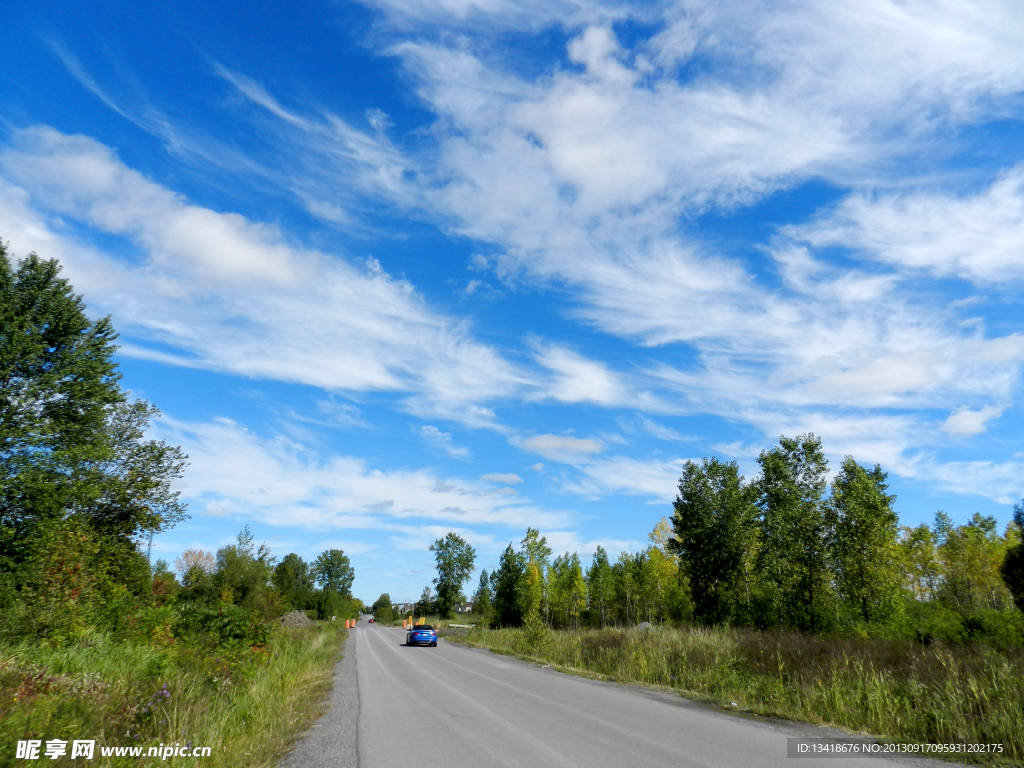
x=227, y=625
x=330, y=604
x=931, y=622
x=1000, y=629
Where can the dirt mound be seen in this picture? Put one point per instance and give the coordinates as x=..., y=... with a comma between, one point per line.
x=296, y=619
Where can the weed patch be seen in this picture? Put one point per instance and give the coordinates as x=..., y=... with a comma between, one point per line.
x=247, y=703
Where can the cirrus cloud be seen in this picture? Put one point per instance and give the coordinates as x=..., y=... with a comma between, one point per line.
x=564, y=448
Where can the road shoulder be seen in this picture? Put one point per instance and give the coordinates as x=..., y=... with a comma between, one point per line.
x=333, y=740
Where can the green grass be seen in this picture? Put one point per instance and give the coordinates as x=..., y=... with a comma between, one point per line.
x=247, y=704
x=893, y=689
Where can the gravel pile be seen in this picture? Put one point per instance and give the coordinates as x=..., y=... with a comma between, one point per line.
x=296, y=619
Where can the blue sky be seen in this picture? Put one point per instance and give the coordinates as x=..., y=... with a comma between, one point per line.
x=402, y=267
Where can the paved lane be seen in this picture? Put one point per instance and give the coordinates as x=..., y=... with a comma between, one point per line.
x=457, y=706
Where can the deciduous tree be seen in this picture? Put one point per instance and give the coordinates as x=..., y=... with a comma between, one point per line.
x=72, y=444
x=864, y=548
x=293, y=580
x=482, y=598
x=1012, y=568
x=333, y=572
x=794, y=557
x=713, y=522
x=455, y=559
x=536, y=554
x=600, y=587
x=243, y=570
x=921, y=569
x=971, y=556
x=382, y=609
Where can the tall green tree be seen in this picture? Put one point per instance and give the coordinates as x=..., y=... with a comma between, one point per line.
x=636, y=586
x=383, y=611
x=600, y=587
x=333, y=572
x=508, y=610
x=533, y=597
x=133, y=491
x=244, y=571
x=568, y=590
x=864, y=544
x=674, y=599
x=793, y=560
x=971, y=556
x=482, y=598
x=574, y=587
x=921, y=569
x=427, y=604
x=1012, y=567
x=535, y=547
x=58, y=381
x=713, y=522
x=455, y=558
x=293, y=580
x=72, y=447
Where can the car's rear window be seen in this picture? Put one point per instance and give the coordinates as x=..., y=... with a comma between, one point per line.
x=423, y=626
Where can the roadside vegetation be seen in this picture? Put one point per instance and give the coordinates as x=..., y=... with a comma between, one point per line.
x=96, y=642
x=891, y=688
x=247, y=703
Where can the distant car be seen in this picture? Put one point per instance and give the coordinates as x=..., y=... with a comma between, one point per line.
x=423, y=634
x=371, y=620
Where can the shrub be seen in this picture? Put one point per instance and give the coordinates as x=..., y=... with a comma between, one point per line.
x=228, y=625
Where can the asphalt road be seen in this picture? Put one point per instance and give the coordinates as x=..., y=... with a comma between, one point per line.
x=456, y=706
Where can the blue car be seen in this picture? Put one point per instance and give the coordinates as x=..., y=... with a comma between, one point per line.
x=423, y=634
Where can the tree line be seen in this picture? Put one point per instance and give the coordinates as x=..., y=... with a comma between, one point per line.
x=244, y=575
x=787, y=548
x=82, y=491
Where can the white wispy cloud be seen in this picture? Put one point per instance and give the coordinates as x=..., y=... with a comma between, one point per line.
x=498, y=477
x=564, y=448
x=490, y=15
x=978, y=237
x=660, y=431
x=584, y=176
x=442, y=441
x=588, y=170
x=968, y=422
x=234, y=471
x=127, y=99
x=657, y=479
x=341, y=171
x=997, y=480
x=576, y=379
x=218, y=291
